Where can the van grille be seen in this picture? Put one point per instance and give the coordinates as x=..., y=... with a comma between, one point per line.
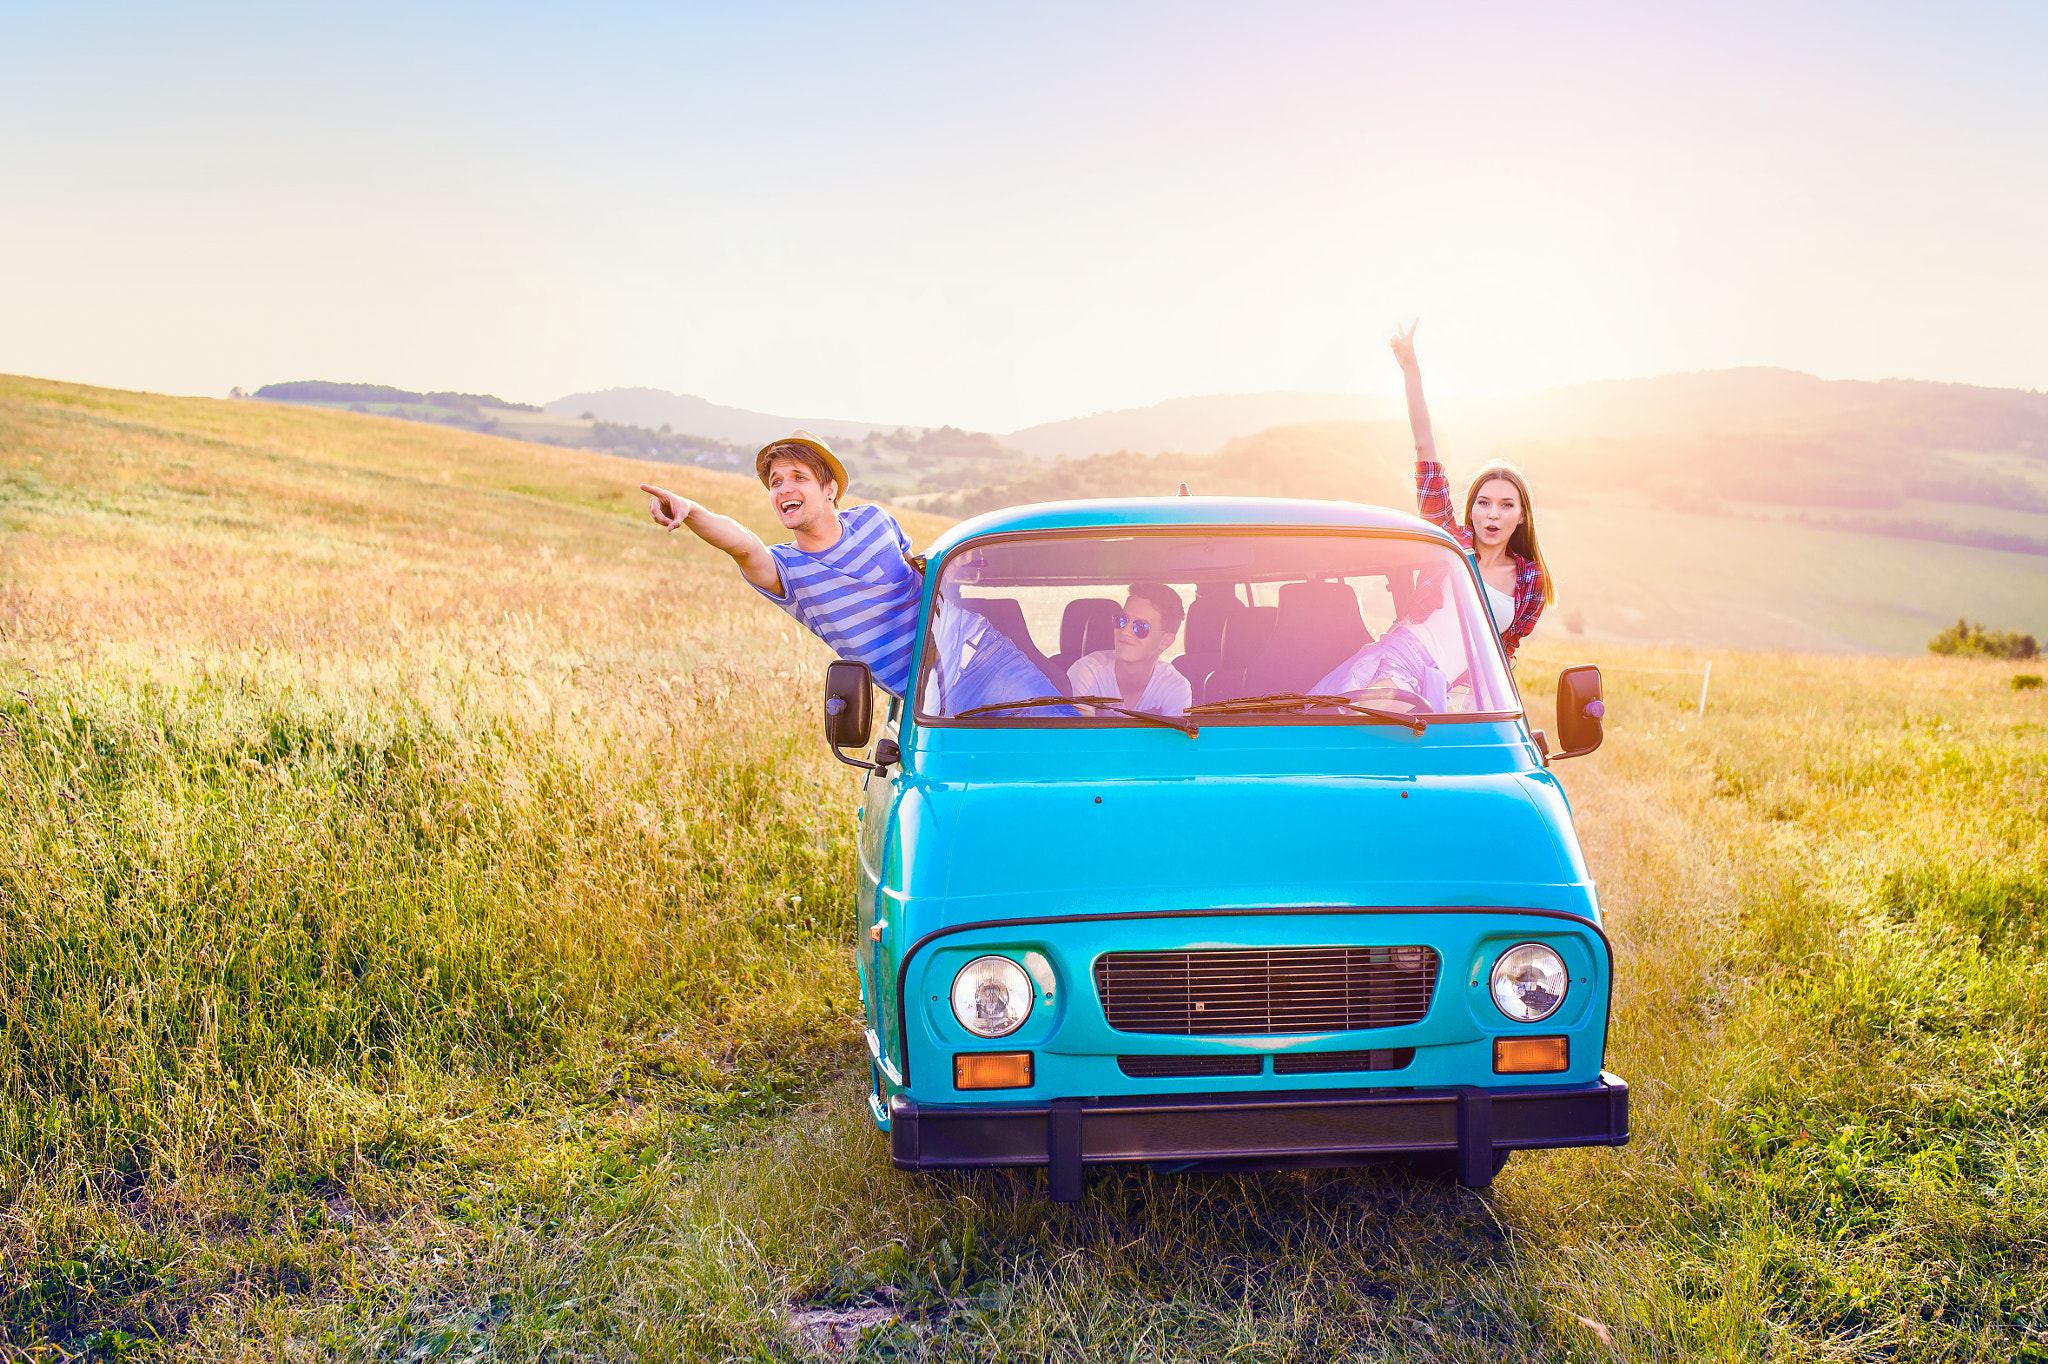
x=1168, y=1067
x=1339, y=1062
x=1236, y=992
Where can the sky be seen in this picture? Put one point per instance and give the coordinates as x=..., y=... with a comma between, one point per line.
x=992, y=215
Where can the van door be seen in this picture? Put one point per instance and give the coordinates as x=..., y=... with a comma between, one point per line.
x=878, y=801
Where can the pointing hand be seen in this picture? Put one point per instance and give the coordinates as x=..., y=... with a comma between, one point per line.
x=668, y=509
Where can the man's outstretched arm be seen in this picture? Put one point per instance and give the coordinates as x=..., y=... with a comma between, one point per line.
x=674, y=511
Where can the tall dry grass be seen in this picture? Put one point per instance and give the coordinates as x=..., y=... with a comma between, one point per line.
x=375, y=797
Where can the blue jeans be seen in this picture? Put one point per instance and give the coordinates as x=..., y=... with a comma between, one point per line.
x=994, y=669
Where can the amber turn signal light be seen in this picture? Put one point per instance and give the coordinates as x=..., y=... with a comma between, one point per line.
x=1530, y=1055
x=992, y=1070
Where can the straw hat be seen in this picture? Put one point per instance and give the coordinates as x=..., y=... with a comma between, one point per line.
x=811, y=442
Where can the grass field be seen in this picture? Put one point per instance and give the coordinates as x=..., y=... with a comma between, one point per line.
x=424, y=903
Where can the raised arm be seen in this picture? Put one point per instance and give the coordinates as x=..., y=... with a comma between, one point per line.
x=756, y=564
x=1418, y=410
x=1432, y=486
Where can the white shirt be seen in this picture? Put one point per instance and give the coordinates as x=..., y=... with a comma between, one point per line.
x=1168, y=693
x=1501, y=604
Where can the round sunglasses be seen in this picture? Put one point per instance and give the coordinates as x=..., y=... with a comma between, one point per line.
x=1140, y=628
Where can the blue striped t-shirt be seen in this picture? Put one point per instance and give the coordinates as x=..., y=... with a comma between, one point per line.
x=860, y=596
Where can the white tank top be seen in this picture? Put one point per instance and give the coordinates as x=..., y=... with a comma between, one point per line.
x=1502, y=604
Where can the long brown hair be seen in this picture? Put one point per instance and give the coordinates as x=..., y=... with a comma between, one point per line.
x=1522, y=540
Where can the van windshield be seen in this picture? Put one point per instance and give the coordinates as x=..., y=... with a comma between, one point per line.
x=1218, y=627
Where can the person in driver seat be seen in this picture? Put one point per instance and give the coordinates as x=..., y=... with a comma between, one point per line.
x=1133, y=670
x=975, y=665
x=1401, y=659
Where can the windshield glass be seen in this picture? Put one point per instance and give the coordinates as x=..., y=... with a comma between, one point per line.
x=1216, y=626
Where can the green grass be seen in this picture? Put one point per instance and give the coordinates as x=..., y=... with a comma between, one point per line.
x=424, y=905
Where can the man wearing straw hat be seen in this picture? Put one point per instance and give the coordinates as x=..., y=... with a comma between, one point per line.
x=846, y=577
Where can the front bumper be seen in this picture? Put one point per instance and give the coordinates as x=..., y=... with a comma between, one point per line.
x=1297, y=1128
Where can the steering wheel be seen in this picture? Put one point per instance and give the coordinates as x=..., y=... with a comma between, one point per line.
x=1417, y=705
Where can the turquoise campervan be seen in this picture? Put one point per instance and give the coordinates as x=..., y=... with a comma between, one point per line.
x=1333, y=912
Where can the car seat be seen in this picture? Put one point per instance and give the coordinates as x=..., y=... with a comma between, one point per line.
x=1245, y=635
x=1006, y=615
x=1318, y=627
x=1088, y=624
x=1202, y=642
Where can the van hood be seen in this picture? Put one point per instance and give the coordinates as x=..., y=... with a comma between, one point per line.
x=1033, y=849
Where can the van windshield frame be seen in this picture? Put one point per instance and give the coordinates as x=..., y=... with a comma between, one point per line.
x=1485, y=652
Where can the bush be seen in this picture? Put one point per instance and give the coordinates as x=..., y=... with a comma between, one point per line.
x=1968, y=640
x=2026, y=681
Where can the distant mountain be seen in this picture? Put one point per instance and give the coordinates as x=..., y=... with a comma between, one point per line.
x=1728, y=400
x=655, y=408
x=1743, y=441
x=1758, y=508
x=646, y=423
x=1347, y=460
x=326, y=393
x=1773, y=438
x=1195, y=425
x=1785, y=404
x=1900, y=411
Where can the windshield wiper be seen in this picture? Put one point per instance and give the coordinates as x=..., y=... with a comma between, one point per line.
x=1099, y=702
x=993, y=706
x=1294, y=700
x=1112, y=703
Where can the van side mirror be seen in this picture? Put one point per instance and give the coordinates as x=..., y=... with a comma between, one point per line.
x=849, y=708
x=1579, y=711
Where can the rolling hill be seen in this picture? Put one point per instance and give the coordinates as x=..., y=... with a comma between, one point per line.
x=1821, y=540
x=1754, y=508
x=654, y=408
x=1785, y=401
x=1195, y=423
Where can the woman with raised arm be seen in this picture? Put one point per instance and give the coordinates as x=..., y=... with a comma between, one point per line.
x=1500, y=526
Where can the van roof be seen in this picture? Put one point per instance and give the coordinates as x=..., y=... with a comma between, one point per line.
x=1237, y=513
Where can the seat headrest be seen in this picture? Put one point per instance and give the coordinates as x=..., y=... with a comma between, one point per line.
x=1088, y=624
x=1008, y=616
x=1207, y=617
x=1315, y=608
x=1246, y=633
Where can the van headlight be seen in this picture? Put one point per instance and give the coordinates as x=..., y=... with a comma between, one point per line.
x=992, y=996
x=1529, y=982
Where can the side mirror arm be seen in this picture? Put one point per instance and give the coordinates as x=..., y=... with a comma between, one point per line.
x=836, y=705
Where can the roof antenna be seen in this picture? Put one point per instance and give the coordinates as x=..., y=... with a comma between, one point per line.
x=1184, y=491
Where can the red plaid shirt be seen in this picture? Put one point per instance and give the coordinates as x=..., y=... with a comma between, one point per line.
x=1433, y=496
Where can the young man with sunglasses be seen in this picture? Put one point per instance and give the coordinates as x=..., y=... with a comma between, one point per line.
x=1134, y=669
